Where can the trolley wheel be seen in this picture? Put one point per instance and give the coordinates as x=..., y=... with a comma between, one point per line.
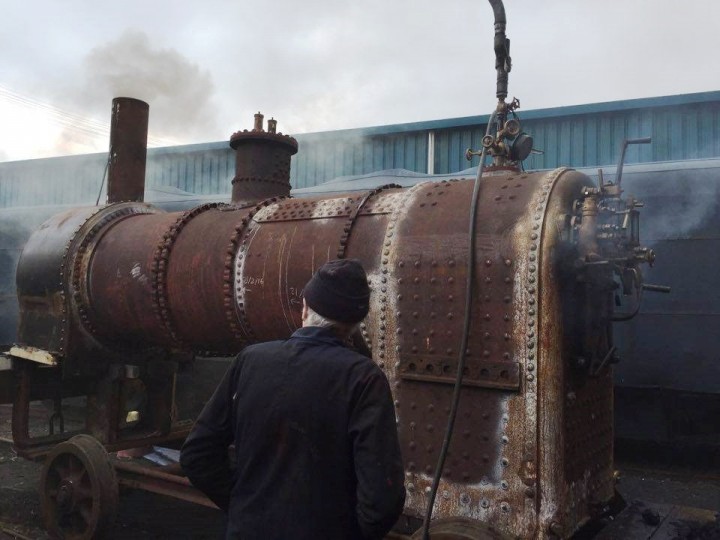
x=78, y=489
x=459, y=528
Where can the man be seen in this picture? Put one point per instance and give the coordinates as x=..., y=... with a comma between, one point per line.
x=313, y=425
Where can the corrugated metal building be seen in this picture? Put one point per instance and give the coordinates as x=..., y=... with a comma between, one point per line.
x=682, y=127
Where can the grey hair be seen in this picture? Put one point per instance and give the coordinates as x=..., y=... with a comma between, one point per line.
x=343, y=330
x=315, y=319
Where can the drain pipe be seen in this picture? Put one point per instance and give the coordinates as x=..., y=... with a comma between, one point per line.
x=128, y=150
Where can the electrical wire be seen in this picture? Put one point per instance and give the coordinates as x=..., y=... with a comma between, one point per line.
x=102, y=183
x=465, y=335
x=82, y=125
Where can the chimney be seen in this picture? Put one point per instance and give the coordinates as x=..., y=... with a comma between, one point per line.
x=128, y=150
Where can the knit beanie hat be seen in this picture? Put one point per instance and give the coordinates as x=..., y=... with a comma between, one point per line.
x=339, y=291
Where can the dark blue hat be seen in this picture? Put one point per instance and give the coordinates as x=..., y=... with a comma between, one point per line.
x=339, y=291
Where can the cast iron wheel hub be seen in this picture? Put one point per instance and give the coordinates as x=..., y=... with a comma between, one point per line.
x=66, y=496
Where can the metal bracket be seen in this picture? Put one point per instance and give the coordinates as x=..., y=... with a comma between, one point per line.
x=34, y=355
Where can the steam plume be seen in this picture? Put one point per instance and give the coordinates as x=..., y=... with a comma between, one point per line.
x=179, y=92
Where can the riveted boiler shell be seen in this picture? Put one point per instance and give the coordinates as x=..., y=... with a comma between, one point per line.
x=217, y=278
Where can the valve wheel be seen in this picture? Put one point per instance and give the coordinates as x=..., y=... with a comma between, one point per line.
x=460, y=528
x=78, y=490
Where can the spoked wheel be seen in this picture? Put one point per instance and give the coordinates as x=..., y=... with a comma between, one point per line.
x=78, y=490
x=460, y=529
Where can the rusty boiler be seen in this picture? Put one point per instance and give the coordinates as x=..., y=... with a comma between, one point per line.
x=492, y=304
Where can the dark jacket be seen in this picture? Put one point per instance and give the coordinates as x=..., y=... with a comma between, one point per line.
x=315, y=440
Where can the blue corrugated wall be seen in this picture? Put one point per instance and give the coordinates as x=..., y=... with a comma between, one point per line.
x=682, y=127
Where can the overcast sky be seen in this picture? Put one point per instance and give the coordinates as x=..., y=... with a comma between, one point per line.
x=206, y=67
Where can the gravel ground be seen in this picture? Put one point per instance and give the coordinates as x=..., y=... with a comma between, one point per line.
x=143, y=515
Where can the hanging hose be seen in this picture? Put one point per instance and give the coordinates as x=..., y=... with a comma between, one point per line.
x=503, y=63
x=463, y=346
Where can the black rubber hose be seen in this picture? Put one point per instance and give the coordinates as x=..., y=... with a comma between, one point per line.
x=463, y=346
x=501, y=45
x=498, y=11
